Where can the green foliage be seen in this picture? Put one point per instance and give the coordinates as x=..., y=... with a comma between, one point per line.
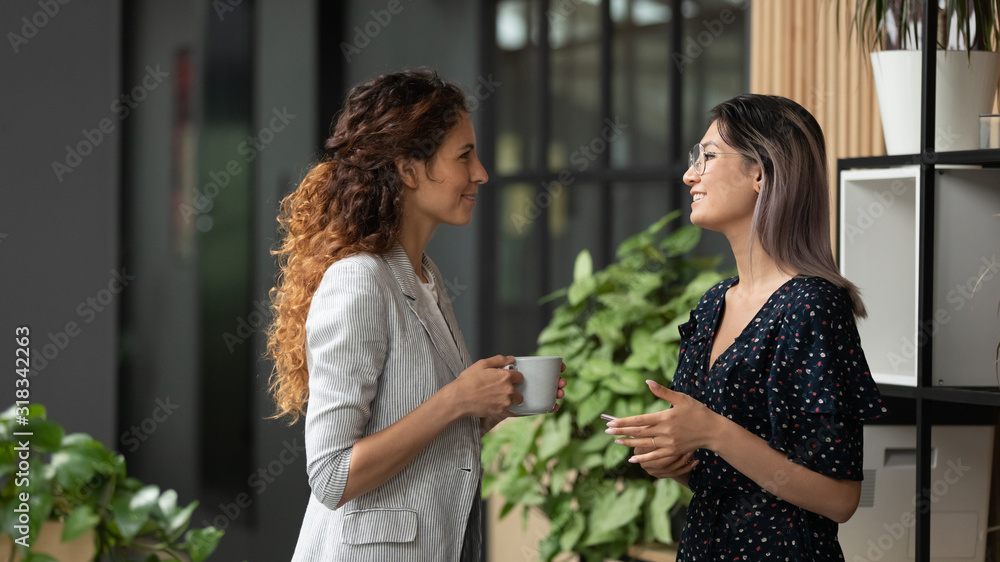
x=85, y=486
x=616, y=329
x=976, y=22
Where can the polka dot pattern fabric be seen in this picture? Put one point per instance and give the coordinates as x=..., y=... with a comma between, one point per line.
x=797, y=377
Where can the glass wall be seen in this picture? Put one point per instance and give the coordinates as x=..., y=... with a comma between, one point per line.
x=224, y=256
x=600, y=102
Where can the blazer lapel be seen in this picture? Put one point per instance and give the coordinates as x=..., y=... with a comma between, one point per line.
x=448, y=312
x=444, y=343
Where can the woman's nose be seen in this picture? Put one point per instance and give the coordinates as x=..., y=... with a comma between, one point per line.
x=691, y=177
x=479, y=175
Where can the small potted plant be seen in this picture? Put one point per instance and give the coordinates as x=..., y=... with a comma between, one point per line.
x=73, y=487
x=967, y=68
x=616, y=328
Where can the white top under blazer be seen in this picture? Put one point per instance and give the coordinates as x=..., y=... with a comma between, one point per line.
x=374, y=355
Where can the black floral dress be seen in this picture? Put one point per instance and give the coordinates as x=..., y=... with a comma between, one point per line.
x=797, y=377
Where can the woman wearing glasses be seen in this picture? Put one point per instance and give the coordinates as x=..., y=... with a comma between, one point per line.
x=772, y=386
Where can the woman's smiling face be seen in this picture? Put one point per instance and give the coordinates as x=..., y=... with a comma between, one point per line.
x=443, y=189
x=725, y=194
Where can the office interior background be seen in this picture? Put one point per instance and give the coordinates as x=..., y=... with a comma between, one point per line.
x=148, y=142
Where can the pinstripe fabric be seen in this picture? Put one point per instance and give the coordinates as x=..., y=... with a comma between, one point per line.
x=373, y=356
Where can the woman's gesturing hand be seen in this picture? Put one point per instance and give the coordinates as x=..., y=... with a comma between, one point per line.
x=486, y=388
x=676, y=431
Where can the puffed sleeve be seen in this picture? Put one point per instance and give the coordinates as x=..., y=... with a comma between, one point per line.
x=346, y=346
x=820, y=390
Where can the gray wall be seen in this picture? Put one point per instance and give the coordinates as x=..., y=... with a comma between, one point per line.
x=59, y=239
x=442, y=35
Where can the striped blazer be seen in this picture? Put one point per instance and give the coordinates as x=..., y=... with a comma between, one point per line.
x=374, y=355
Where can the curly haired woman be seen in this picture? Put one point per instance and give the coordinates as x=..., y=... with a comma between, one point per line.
x=365, y=333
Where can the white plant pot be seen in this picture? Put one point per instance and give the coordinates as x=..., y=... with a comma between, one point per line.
x=965, y=89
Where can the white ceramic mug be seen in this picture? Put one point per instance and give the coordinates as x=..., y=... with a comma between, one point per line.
x=541, y=381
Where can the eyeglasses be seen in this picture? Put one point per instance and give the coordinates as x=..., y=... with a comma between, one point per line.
x=699, y=157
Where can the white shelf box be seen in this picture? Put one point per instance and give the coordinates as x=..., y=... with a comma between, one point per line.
x=966, y=289
x=879, y=253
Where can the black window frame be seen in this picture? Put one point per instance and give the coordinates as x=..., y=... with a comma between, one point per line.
x=603, y=175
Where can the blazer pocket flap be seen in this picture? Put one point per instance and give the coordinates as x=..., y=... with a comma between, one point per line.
x=380, y=525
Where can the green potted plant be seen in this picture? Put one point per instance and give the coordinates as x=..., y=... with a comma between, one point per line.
x=74, y=484
x=615, y=329
x=967, y=68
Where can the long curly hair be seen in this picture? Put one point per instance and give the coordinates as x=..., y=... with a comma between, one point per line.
x=350, y=202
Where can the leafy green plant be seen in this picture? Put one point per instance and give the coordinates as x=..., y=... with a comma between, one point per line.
x=76, y=480
x=616, y=328
x=975, y=22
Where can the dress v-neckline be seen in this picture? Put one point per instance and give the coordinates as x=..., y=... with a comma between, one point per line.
x=753, y=322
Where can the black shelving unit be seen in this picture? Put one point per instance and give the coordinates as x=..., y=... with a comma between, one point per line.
x=925, y=393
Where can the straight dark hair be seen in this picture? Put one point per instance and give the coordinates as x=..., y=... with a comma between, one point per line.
x=792, y=217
